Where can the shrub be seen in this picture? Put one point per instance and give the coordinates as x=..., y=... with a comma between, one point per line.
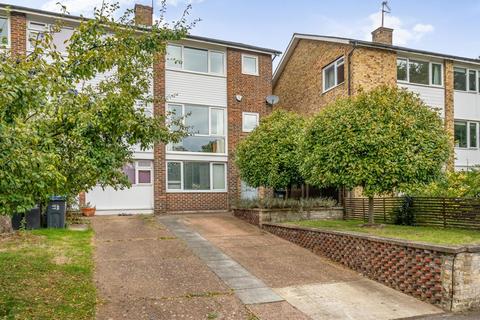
x=279, y=203
x=405, y=215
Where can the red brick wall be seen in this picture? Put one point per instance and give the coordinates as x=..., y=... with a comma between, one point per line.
x=202, y=201
x=18, y=33
x=251, y=216
x=254, y=90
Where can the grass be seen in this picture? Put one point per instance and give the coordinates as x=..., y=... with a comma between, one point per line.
x=445, y=236
x=47, y=274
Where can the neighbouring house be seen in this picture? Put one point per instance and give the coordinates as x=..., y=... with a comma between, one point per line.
x=221, y=85
x=315, y=70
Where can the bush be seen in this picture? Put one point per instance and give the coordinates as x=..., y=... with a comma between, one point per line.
x=278, y=203
x=460, y=184
x=404, y=215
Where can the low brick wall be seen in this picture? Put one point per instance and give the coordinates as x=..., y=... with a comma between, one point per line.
x=448, y=277
x=260, y=216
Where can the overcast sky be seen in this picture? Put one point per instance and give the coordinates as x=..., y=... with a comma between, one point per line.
x=444, y=26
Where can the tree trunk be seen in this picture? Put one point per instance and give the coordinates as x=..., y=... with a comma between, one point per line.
x=303, y=191
x=371, y=219
x=5, y=224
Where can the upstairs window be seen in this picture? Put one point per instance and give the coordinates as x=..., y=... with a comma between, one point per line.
x=250, y=65
x=460, y=79
x=334, y=74
x=194, y=59
x=472, y=80
x=4, y=32
x=419, y=72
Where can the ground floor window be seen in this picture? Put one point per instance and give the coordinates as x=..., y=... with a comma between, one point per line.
x=196, y=176
x=139, y=172
x=466, y=134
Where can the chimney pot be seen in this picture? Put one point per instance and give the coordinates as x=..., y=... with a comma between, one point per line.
x=143, y=15
x=383, y=35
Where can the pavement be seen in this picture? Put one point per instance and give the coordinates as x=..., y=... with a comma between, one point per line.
x=215, y=266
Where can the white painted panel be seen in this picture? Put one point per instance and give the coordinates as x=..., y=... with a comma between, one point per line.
x=467, y=106
x=432, y=96
x=137, y=198
x=187, y=87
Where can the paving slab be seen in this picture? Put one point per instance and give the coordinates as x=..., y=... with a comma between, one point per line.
x=277, y=310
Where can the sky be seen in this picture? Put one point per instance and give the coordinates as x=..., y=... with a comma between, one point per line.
x=444, y=26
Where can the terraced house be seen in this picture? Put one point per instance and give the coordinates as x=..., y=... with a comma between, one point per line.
x=315, y=70
x=221, y=85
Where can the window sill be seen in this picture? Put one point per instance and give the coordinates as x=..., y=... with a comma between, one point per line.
x=330, y=89
x=197, y=153
x=461, y=91
x=197, y=191
x=250, y=74
x=420, y=85
x=216, y=75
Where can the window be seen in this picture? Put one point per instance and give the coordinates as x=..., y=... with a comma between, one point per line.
x=250, y=65
x=36, y=33
x=206, y=125
x=334, y=74
x=419, y=72
x=194, y=59
x=460, y=79
x=196, y=176
x=466, y=134
x=60, y=38
x=139, y=172
x=4, y=31
x=472, y=80
x=249, y=121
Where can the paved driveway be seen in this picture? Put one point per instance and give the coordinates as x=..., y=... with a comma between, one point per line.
x=219, y=267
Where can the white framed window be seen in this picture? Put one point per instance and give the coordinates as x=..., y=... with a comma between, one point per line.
x=139, y=172
x=249, y=121
x=333, y=74
x=195, y=60
x=196, y=176
x=37, y=30
x=465, y=79
x=250, y=64
x=206, y=125
x=418, y=71
x=4, y=32
x=466, y=134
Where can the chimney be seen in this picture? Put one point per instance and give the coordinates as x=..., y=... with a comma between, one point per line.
x=383, y=35
x=143, y=15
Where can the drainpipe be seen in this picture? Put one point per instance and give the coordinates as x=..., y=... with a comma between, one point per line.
x=350, y=67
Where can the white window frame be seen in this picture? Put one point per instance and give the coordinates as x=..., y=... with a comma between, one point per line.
x=225, y=136
x=476, y=80
x=338, y=62
x=41, y=27
x=9, y=33
x=430, y=72
x=467, y=122
x=139, y=168
x=182, y=170
x=256, y=64
x=256, y=114
x=180, y=66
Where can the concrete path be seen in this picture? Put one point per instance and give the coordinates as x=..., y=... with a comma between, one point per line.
x=317, y=287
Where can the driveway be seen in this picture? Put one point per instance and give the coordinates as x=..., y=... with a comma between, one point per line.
x=219, y=267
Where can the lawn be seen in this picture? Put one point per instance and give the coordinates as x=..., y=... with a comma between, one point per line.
x=47, y=274
x=446, y=236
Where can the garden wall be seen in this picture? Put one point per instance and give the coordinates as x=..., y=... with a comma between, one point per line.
x=260, y=216
x=448, y=277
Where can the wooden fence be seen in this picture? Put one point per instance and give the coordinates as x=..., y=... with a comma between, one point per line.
x=441, y=212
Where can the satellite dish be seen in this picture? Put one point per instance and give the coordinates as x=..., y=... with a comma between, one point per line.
x=272, y=100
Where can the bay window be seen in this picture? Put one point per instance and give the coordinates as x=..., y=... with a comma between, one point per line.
x=333, y=74
x=191, y=176
x=466, y=134
x=419, y=72
x=195, y=59
x=4, y=32
x=206, y=126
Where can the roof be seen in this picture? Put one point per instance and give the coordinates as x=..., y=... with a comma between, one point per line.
x=70, y=17
x=362, y=43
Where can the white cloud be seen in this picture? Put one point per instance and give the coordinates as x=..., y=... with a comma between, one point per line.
x=77, y=7
x=401, y=34
x=177, y=2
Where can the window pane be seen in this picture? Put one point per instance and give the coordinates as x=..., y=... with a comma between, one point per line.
x=217, y=122
x=174, y=175
x=436, y=74
x=196, y=175
x=472, y=80
x=34, y=38
x=341, y=73
x=144, y=176
x=174, y=56
x=461, y=134
x=216, y=62
x=250, y=122
x=3, y=31
x=329, y=74
x=196, y=119
x=418, y=71
x=218, y=176
x=60, y=39
x=174, y=114
x=144, y=163
x=249, y=65
x=402, y=69
x=129, y=170
x=199, y=144
x=460, y=79
x=473, y=135
x=195, y=60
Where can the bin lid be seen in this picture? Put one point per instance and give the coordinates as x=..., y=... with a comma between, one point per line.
x=58, y=198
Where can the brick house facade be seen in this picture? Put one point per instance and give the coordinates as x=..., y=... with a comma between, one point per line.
x=205, y=84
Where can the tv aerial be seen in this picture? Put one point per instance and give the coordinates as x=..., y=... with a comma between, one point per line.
x=385, y=9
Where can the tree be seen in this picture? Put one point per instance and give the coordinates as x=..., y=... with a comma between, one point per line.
x=268, y=156
x=62, y=133
x=384, y=141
